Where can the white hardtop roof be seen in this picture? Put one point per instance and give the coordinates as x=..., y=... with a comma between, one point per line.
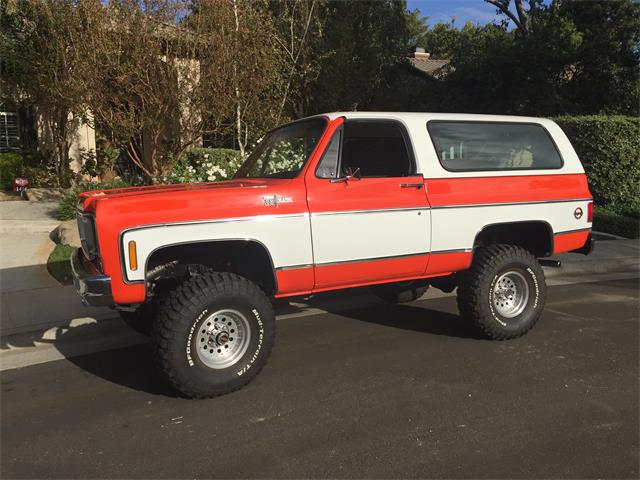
x=426, y=116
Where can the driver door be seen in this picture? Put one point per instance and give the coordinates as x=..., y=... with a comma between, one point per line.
x=370, y=220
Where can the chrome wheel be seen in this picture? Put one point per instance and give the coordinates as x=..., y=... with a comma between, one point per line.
x=223, y=338
x=510, y=294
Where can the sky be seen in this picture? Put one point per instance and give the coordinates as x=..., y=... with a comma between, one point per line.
x=441, y=11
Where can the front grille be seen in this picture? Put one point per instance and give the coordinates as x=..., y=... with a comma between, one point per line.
x=87, y=231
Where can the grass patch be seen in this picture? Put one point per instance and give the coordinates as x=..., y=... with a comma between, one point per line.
x=624, y=224
x=59, y=266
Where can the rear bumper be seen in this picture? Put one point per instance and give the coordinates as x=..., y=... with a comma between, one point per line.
x=93, y=287
x=588, y=246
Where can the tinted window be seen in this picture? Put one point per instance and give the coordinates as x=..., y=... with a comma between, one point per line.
x=468, y=146
x=378, y=149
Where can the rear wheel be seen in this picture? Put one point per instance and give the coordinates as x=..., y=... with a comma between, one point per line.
x=401, y=292
x=214, y=334
x=503, y=293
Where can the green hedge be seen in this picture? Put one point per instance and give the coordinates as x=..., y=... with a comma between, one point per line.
x=622, y=223
x=11, y=166
x=609, y=148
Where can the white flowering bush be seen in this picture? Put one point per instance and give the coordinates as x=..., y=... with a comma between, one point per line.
x=204, y=165
x=287, y=155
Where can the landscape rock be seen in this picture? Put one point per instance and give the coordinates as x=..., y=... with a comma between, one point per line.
x=67, y=234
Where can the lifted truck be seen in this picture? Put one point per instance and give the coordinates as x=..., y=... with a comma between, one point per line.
x=397, y=201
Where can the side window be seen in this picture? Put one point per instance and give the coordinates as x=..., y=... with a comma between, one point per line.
x=474, y=146
x=376, y=148
x=328, y=167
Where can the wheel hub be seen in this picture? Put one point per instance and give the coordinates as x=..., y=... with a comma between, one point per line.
x=510, y=294
x=223, y=338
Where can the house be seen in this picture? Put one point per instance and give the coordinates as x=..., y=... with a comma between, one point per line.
x=422, y=62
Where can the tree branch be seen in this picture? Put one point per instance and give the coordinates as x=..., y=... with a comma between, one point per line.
x=503, y=6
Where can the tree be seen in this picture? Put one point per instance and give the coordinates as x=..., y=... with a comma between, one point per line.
x=145, y=75
x=298, y=33
x=362, y=43
x=604, y=74
x=41, y=69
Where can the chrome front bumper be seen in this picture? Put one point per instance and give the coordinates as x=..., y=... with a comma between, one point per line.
x=93, y=287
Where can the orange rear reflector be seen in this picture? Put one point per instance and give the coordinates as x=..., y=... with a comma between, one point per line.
x=133, y=256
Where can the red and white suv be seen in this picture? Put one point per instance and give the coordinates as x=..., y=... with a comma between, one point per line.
x=398, y=201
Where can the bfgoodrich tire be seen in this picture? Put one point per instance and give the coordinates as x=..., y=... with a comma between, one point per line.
x=214, y=334
x=400, y=292
x=503, y=293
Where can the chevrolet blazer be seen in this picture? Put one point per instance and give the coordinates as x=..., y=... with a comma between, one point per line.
x=395, y=201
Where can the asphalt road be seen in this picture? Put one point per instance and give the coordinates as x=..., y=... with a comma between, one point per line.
x=384, y=391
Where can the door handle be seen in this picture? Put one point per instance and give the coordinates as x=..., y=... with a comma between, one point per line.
x=412, y=185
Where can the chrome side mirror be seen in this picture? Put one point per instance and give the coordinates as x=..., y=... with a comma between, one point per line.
x=350, y=175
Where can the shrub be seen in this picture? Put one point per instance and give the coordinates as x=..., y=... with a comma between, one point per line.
x=67, y=206
x=609, y=148
x=11, y=166
x=624, y=222
x=204, y=165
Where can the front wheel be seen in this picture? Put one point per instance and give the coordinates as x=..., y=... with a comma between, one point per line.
x=214, y=334
x=503, y=293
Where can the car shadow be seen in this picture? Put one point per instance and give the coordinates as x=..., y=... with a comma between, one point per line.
x=133, y=366
x=415, y=317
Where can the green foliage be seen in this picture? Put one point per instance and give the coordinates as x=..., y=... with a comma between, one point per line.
x=11, y=166
x=67, y=207
x=609, y=148
x=58, y=264
x=571, y=58
x=625, y=223
x=363, y=41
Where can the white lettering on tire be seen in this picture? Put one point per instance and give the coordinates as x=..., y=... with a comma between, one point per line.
x=193, y=327
x=244, y=369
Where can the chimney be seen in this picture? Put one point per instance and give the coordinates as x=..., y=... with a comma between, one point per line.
x=420, y=53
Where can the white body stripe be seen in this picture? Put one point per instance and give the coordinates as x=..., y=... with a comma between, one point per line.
x=287, y=238
x=347, y=236
x=455, y=228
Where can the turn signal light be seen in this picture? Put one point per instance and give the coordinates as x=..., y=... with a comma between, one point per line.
x=133, y=256
x=590, y=212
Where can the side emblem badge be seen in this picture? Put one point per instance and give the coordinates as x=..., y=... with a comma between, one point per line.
x=275, y=200
x=578, y=213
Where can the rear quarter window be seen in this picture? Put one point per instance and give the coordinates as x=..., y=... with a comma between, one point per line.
x=486, y=146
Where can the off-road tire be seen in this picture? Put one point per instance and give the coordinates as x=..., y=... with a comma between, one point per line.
x=400, y=292
x=478, y=303
x=188, y=310
x=142, y=319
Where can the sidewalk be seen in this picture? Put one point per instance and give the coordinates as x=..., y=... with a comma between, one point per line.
x=31, y=298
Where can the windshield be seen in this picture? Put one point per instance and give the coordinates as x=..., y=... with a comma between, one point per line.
x=284, y=151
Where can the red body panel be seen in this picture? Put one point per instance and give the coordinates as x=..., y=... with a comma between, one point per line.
x=565, y=242
x=511, y=189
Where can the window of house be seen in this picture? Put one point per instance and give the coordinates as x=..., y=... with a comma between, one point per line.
x=9, y=132
x=477, y=146
x=367, y=149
